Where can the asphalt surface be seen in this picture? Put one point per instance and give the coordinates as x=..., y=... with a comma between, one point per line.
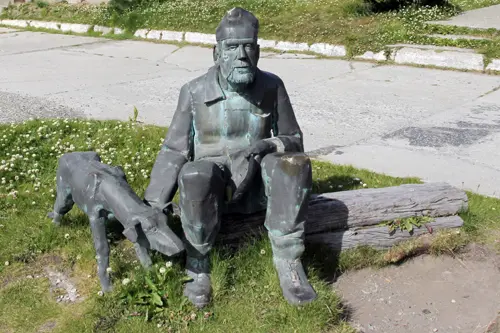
x=403, y=121
x=482, y=18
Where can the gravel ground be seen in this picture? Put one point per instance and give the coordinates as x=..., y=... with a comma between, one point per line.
x=427, y=294
x=16, y=108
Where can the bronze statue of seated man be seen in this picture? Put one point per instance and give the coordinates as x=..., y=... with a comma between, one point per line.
x=234, y=146
x=103, y=193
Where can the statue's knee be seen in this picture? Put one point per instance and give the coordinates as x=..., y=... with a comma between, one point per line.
x=197, y=180
x=290, y=163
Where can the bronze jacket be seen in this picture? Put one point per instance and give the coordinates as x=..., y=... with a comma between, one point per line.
x=206, y=124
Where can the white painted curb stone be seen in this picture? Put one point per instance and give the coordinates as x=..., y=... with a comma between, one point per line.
x=328, y=49
x=45, y=25
x=154, y=34
x=264, y=43
x=141, y=33
x=77, y=28
x=369, y=55
x=104, y=30
x=16, y=23
x=453, y=59
x=172, y=35
x=402, y=54
x=289, y=46
x=494, y=65
x=196, y=37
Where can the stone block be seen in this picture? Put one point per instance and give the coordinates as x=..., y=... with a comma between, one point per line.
x=104, y=30
x=141, y=33
x=172, y=35
x=154, y=34
x=196, y=37
x=118, y=31
x=264, y=43
x=494, y=65
x=369, y=55
x=16, y=23
x=328, y=49
x=76, y=28
x=290, y=46
x=45, y=25
x=439, y=58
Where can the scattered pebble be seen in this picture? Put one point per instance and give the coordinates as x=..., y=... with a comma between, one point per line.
x=453, y=301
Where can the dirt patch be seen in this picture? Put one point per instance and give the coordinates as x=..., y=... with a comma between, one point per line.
x=47, y=327
x=426, y=294
x=62, y=286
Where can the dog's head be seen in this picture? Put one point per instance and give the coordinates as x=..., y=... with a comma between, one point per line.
x=153, y=224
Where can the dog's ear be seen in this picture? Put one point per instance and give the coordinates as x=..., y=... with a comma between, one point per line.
x=131, y=232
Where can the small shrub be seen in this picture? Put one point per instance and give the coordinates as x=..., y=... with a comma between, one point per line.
x=41, y=4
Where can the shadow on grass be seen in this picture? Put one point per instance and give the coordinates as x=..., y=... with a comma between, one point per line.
x=381, y=6
x=334, y=184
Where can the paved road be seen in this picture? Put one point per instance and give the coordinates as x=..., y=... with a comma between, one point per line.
x=482, y=18
x=403, y=121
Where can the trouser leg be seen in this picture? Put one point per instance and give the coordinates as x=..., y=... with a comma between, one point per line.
x=201, y=188
x=288, y=179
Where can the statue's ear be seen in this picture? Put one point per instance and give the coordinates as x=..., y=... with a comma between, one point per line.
x=257, y=52
x=215, y=53
x=131, y=232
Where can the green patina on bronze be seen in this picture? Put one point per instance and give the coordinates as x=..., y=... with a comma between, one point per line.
x=234, y=146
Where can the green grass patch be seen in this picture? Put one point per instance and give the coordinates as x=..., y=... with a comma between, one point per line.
x=358, y=24
x=26, y=305
x=247, y=296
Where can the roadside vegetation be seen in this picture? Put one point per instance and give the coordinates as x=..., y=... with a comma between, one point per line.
x=247, y=297
x=360, y=25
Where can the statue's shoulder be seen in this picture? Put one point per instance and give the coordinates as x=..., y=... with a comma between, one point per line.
x=197, y=81
x=271, y=79
x=197, y=85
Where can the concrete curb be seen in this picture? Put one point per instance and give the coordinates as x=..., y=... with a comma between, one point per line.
x=405, y=54
x=494, y=65
x=438, y=56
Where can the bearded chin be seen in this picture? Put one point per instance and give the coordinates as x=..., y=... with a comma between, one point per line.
x=240, y=79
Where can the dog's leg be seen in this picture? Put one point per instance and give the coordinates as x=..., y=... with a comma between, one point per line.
x=64, y=200
x=141, y=249
x=102, y=249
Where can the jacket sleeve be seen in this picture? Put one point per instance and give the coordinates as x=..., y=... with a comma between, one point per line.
x=177, y=149
x=287, y=133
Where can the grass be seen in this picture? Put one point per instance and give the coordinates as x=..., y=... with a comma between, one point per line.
x=247, y=297
x=357, y=24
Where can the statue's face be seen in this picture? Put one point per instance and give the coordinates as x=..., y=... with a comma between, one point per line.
x=238, y=60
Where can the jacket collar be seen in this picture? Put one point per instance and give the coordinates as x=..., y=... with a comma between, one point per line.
x=214, y=93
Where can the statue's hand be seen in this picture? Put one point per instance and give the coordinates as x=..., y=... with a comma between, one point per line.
x=260, y=148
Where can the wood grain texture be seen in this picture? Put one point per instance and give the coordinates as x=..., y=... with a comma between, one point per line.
x=379, y=237
x=364, y=207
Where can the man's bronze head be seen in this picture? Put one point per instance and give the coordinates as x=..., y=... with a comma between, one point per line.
x=237, y=52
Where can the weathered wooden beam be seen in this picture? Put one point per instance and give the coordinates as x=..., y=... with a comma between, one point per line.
x=364, y=207
x=379, y=237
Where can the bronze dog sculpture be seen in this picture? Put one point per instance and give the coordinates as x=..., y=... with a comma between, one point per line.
x=103, y=193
